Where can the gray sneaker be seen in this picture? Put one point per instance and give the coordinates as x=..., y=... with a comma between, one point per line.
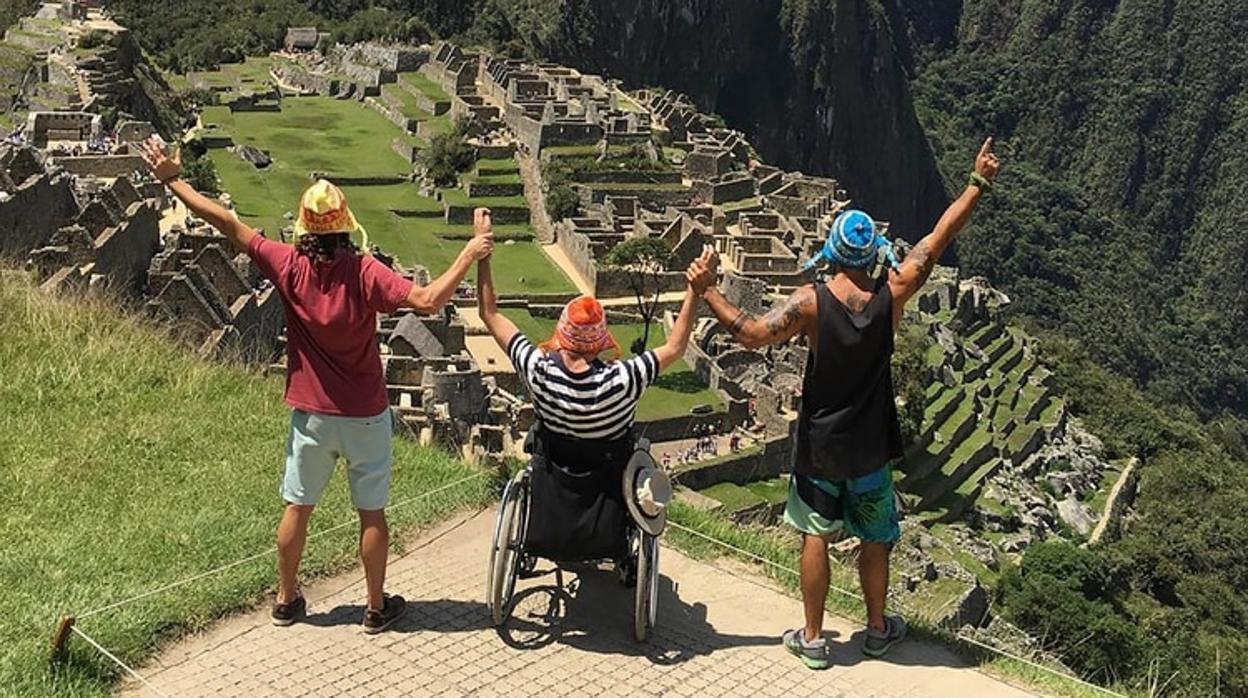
x=814, y=655
x=877, y=643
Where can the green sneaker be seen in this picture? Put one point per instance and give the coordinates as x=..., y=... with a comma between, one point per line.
x=877, y=644
x=815, y=655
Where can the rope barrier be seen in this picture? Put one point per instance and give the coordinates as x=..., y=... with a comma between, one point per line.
x=91, y=641
x=756, y=558
x=265, y=553
x=853, y=595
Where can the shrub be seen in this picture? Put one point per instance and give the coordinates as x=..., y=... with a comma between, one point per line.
x=200, y=173
x=562, y=202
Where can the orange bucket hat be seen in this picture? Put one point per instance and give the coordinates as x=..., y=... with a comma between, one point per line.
x=582, y=328
x=323, y=210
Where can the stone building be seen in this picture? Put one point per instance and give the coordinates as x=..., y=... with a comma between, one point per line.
x=548, y=105
x=301, y=39
x=214, y=297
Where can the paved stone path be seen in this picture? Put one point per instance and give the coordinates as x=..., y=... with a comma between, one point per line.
x=717, y=635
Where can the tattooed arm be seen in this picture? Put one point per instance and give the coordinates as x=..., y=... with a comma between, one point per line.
x=785, y=319
x=918, y=265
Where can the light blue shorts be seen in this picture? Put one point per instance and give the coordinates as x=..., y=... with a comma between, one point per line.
x=317, y=441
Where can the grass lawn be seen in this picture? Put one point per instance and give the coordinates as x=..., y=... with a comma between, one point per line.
x=425, y=85
x=487, y=168
x=239, y=77
x=344, y=137
x=742, y=204
x=774, y=490
x=127, y=463
x=734, y=497
x=676, y=392
x=310, y=134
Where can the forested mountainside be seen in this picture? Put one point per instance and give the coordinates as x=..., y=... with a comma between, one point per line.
x=1125, y=126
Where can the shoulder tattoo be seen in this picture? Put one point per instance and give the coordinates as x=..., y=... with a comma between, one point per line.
x=787, y=315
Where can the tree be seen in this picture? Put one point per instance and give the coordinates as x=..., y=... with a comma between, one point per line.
x=562, y=202
x=447, y=155
x=1068, y=599
x=644, y=259
x=200, y=173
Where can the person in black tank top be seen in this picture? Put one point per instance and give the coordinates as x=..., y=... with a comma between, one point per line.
x=848, y=436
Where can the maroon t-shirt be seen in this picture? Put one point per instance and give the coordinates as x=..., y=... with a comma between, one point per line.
x=333, y=365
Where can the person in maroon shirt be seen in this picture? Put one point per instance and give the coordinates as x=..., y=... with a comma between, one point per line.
x=334, y=382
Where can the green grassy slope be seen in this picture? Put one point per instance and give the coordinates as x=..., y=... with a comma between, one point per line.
x=126, y=463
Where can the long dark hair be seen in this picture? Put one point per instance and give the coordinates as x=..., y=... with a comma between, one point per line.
x=322, y=249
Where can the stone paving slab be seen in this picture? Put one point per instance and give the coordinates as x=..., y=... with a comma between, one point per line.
x=717, y=635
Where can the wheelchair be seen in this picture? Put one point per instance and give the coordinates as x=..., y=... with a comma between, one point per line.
x=511, y=559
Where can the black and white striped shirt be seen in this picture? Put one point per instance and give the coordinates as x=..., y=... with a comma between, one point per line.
x=598, y=403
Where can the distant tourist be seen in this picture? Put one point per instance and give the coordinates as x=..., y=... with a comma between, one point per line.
x=334, y=383
x=848, y=437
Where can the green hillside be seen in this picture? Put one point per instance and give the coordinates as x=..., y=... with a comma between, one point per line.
x=125, y=464
x=1125, y=131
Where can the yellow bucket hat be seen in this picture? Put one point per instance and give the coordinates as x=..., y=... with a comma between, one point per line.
x=323, y=210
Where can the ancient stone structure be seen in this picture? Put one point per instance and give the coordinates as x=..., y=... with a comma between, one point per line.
x=69, y=126
x=585, y=238
x=207, y=291
x=547, y=105
x=441, y=395
x=301, y=39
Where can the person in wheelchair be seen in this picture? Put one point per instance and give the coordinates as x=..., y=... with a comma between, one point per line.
x=585, y=408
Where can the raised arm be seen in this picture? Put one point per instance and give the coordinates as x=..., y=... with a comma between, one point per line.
x=167, y=169
x=918, y=265
x=678, y=339
x=430, y=299
x=502, y=329
x=783, y=321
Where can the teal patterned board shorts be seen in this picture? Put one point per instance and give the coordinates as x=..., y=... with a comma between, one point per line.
x=867, y=507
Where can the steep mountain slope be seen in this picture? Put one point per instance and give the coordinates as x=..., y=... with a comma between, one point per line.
x=1125, y=124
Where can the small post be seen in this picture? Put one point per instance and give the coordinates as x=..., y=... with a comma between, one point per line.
x=61, y=637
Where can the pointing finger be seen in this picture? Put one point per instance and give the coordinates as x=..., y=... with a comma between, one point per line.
x=986, y=148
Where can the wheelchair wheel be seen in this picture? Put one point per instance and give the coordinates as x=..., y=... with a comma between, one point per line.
x=507, y=547
x=647, y=590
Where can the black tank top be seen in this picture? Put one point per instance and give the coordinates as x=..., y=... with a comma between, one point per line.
x=848, y=424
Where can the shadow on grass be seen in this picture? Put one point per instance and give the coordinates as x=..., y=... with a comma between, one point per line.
x=681, y=382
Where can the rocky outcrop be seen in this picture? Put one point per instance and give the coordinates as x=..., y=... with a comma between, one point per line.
x=120, y=78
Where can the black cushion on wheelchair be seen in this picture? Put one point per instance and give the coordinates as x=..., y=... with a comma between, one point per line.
x=576, y=508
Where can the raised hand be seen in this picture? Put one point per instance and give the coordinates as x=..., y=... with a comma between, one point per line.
x=481, y=246
x=164, y=167
x=710, y=258
x=986, y=163
x=481, y=222
x=701, y=274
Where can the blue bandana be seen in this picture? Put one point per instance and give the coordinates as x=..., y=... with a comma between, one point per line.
x=853, y=243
